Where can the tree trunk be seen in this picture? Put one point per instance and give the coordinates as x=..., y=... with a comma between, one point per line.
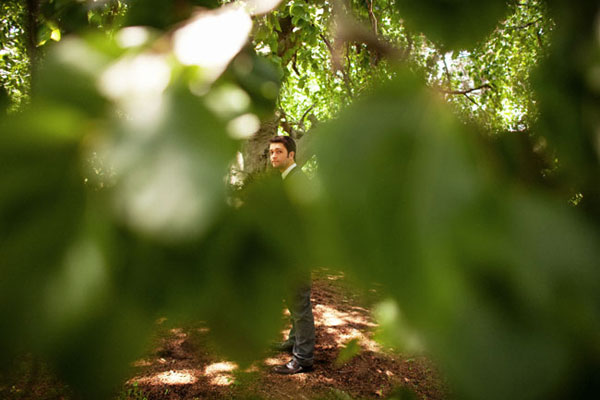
x=31, y=29
x=255, y=150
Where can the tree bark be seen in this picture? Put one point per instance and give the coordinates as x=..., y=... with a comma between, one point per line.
x=31, y=29
x=255, y=150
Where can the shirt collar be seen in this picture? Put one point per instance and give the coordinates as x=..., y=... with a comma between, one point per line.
x=287, y=171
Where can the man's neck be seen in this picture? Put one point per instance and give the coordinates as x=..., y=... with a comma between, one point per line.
x=287, y=170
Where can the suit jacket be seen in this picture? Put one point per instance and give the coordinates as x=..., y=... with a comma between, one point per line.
x=296, y=177
x=298, y=187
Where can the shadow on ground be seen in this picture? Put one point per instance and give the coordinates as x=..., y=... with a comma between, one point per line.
x=183, y=367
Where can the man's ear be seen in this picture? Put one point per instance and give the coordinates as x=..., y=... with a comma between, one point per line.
x=292, y=154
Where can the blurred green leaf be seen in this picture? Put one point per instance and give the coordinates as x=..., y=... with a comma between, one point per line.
x=298, y=10
x=413, y=203
x=568, y=99
x=163, y=14
x=393, y=329
x=169, y=174
x=82, y=63
x=455, y=24
x=348, y=352
x=256, y=267
x=40, y=208
x=43, y=34
x=259, y=77
x=404, y=393
x=4, y=101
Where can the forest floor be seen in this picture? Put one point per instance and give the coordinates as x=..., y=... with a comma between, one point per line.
x=182, y=365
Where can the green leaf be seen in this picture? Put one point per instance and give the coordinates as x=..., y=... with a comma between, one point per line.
x=457, y=246
x=55, y=34
x=83, y=63
x=297, y=10
x=350, y=350
x=276, y=25
x=43, y=35
x=177, y=167
x=455, y=24
x=40, y=207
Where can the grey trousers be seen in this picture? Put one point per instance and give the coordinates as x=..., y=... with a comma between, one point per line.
x=302, y=334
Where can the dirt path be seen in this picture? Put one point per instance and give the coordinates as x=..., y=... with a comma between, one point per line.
x=181, y=367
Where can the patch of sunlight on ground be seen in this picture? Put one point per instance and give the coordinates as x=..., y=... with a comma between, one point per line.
x=369, y=345
x=220, y=373
x=141, y=363
x=329, y=316
x=222, y=380
x=180, y=335
x=343, y=326
x=272, y=361
x=353, y=334
x=300, y=377
x=336, y=277
x=180, y=377
x=220, y=367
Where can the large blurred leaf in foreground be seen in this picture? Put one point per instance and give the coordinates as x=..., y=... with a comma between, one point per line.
x=479, y=266
x=163, y=13
x=456, y=24
x=568, y=87
x=252, y=260
x=168, y=175
x=55, y=291
x=41, y=203
x=69, y=293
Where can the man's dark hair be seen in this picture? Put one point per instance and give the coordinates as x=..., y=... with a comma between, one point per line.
x=288, y=143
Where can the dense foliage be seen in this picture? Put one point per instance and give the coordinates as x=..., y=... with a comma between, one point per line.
x=448, y=139
x=14, y=62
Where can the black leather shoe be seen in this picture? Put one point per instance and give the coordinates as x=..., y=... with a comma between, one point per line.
x=292, y=367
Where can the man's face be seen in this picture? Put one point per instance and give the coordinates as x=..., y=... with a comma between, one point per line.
x=279, y=156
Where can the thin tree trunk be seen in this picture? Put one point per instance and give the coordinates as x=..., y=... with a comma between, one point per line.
x=31, y=29
x=255, y=150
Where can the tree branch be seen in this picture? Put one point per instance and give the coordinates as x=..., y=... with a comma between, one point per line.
x=336, y=63
x=410, y=42
x=294, y=66
x=348, y=29
x=527, y=25
x=306, y=113
x=327, y=43
x=539, y=39
x=467, y=91
x=472, y=100
x=32, y=11
x=346, y=72
x=448, y=77
x=372, y=15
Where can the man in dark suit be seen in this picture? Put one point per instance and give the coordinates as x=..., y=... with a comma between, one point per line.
x=301, y=339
